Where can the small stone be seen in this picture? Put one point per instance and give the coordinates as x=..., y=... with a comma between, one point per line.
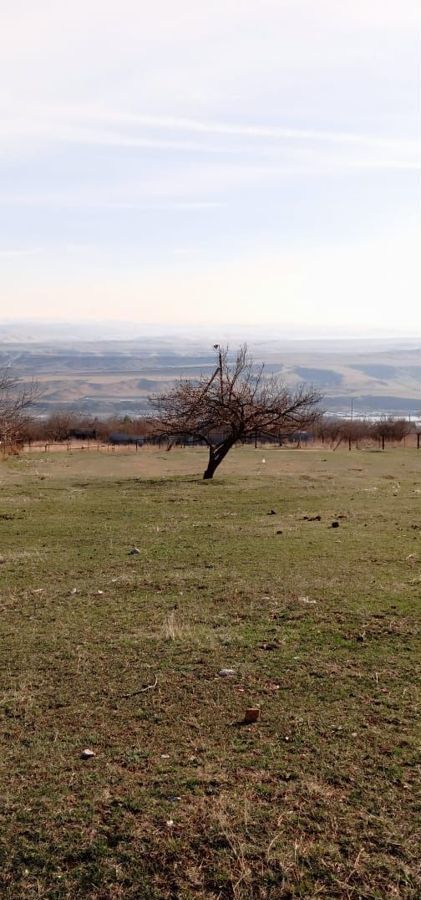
x=73, y=592
x=87, y=754
x=226, y=673
x=252, y=714
x=134, y=551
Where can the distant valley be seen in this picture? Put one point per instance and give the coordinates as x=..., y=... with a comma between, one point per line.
x=116, y=377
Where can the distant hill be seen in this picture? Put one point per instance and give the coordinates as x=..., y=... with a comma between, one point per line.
x=111, y=376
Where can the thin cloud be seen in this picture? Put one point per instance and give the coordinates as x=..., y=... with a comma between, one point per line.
x=275, y=132
x=77, y=125
x=13, y=252
x=84, y=200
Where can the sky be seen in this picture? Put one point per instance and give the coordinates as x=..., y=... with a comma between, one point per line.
x=191, y=163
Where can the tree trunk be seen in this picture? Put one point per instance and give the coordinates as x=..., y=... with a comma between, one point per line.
x=216, y=455
x=212, y=465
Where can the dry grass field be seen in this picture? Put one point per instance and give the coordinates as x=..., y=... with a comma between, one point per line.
x=121, y=654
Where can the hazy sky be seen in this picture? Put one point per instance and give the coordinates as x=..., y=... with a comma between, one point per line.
x=188, y=161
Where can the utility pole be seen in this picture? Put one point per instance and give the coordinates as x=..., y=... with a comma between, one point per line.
x=218, y=348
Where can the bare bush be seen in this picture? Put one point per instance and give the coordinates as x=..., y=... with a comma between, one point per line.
x=16, y=398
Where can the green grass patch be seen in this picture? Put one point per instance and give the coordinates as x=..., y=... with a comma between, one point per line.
x=319, y=797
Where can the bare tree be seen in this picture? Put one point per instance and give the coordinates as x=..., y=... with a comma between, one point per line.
x=389, y=429
x=236, y=402
x=352, y=431
x=58, y=426
x=328, y=429
x=16, y=398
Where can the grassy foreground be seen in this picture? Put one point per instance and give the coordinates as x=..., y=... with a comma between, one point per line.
x=318, y=798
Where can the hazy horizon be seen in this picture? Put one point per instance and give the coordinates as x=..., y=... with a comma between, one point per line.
x=121, y=329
